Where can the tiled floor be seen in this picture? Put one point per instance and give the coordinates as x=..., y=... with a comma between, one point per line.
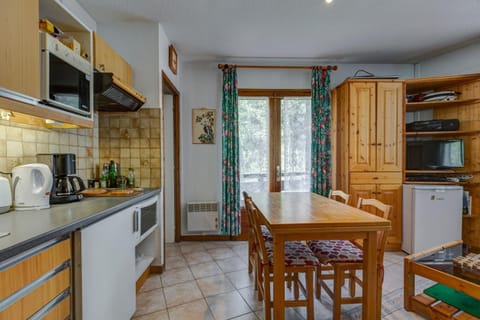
x=209, y=280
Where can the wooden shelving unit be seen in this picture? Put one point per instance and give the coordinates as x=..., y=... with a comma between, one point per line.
x=466, y=109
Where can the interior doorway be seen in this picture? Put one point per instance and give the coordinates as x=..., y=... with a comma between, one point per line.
x=171, y=158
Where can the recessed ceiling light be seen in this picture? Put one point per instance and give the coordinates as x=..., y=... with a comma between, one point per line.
x=328, y=1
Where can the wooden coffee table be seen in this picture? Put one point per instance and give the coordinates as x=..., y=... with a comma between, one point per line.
x=437, y=265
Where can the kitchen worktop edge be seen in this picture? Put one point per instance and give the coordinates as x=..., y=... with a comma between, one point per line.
x=34, y=227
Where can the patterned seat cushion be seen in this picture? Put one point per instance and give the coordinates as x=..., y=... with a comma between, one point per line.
x=297, y=254
x=331, y=251
x=266, y=233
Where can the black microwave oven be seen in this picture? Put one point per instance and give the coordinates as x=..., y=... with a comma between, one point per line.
x=66, y=78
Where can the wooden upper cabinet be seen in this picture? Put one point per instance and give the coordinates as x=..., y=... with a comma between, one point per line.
x=19, y=52
x=389, y=144
x=376, y=126
x=105, y=59
x=362, y=126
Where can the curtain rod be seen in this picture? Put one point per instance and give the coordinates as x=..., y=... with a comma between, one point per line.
x=221, y=66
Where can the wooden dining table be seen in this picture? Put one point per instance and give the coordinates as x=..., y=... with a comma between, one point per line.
x=309, y=216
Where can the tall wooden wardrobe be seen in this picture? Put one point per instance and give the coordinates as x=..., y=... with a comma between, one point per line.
x=367, y=144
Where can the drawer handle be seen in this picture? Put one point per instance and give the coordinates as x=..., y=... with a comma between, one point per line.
x=49, y=306
x=19, y=294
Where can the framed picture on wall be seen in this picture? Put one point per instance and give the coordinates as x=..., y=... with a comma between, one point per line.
x=203, y=126
x=172, y=59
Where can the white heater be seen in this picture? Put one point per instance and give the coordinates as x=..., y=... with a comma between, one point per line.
x=202, y=216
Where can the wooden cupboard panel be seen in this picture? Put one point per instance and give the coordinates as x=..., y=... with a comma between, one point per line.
x=362, y=125
x=375, y=177
x=20, y=49
x=106, y=59
x=21, y=274
x=365, y=191
x=392, y=194
x=389, y=139
x=61, y=311
x=31, y=303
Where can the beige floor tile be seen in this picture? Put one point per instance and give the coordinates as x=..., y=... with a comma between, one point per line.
x=215, y=244
x=228, y=305
x=174, y=276
x=159, y=315
x=232, y=264
x=241, y=278
x=221, y=253
x=151, y=301
x=217, y=284
x=250, y=295
x=182, y=293
x=174, y=262
x=207, y=269
x=172, y=250
x=197, y=310
x=153, y=282
x=186, y=247
x=195, y=257
x=248, y=316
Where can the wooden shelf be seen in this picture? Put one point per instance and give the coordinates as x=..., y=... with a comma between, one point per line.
x=422, y=84
x=417, y=106
x=442, y=133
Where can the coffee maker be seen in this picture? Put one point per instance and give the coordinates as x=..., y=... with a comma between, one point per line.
x=66, y=185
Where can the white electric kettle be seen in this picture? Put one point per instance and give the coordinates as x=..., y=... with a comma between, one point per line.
x=32, y=184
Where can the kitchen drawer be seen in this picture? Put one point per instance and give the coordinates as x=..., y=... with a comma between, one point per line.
x=35, y=300
x=36, y=282
x=27, y=270
x=375, y=177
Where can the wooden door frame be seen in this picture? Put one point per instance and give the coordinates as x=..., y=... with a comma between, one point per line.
x=168, y=84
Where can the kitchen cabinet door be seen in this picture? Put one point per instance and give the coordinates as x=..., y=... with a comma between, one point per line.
x=19, y=52
x=389, y=135
x=108, y=268
x=362, y=126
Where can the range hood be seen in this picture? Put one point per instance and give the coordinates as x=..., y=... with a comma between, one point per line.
x=111, y=94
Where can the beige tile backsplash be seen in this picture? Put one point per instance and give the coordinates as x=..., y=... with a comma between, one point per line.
x=133, y=140
x=20, y=143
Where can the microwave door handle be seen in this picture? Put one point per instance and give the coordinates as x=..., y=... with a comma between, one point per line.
x=135, y=221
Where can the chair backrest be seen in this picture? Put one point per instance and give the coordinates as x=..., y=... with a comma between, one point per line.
x=333, y=194
x=257, y=231
x=382, y=210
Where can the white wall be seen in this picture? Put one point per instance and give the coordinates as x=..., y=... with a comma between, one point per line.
x=460, y=61
x=201, y=88
x=169, y=174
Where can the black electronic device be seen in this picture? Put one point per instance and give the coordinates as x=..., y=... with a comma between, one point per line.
x=434, y=125
x=435, y=154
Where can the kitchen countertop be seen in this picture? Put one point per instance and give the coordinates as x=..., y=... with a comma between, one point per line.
x=33, y=227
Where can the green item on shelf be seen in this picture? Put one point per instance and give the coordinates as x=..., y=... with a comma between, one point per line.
x=454, y=298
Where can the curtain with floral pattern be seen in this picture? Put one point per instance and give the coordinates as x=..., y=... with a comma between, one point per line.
x=231, y=222
x=321, y=123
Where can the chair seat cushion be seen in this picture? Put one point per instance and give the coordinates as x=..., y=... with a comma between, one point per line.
x=331, y=251
x=297, y=254
x=266, y=233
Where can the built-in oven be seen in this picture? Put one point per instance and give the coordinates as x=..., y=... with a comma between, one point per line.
x=66, y=77
x=145, y=218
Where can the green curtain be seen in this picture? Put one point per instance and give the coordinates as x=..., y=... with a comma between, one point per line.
x=321, y=123
x=230, y=155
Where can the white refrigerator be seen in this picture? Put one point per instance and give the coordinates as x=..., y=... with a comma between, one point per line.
x=432, y=216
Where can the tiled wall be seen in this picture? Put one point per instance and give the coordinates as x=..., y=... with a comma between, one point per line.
x=19, y=144
x=133, y=140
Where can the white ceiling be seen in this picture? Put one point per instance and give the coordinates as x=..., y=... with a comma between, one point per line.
x=349, y=31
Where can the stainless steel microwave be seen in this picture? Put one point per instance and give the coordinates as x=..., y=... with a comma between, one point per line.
x=66, y=77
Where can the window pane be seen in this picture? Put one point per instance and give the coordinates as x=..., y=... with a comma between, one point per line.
x=254, y=144
x=296, y=143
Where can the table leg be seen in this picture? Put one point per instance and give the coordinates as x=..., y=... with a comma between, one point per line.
x=369, y=289
x=278, y=277
x=408, y=286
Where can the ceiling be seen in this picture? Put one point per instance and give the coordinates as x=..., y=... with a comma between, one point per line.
x=348, y=31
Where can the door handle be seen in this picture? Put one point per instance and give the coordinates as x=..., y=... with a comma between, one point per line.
x=278, y=174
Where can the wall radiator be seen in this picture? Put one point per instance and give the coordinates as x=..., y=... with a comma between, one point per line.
x=202, y=216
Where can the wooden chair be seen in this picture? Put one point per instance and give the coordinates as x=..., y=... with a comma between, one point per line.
x=298, y=259
x=335, y=194
x=252, y=247
x=345, y=258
